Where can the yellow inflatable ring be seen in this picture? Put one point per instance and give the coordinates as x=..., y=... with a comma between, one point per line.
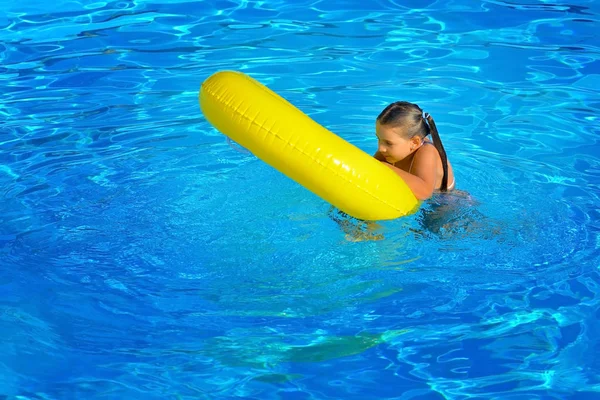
x=290, y=141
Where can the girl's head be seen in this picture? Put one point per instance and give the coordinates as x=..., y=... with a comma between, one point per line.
x=401, y=128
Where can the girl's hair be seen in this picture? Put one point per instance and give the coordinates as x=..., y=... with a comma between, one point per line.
x=416, y=123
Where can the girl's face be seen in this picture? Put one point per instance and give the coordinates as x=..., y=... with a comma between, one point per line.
x=392, y=144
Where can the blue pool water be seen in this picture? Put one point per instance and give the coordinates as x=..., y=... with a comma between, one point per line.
x=142, y=256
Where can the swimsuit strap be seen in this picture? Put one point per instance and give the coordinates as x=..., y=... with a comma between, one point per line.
x=411, y=163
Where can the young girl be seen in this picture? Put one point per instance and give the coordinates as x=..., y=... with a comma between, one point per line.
x=402, y=130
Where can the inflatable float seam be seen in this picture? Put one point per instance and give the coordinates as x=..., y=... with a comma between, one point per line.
x=252, y=121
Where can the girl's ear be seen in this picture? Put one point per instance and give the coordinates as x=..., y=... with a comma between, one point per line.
x=415, y=141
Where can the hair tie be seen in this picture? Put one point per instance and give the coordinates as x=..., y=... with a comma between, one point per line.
x=426, y=123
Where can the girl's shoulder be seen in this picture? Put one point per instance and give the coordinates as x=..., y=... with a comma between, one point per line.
x=424, y=157
x=426, y=150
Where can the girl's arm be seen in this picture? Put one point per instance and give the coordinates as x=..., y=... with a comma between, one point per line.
x=422, y=179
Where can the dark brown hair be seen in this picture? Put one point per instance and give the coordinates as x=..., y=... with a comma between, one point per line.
x=415, y=123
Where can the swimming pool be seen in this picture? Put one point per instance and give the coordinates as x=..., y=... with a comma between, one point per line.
x=142, y=256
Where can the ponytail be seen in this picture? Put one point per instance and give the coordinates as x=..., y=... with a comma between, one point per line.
x=437, y=142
